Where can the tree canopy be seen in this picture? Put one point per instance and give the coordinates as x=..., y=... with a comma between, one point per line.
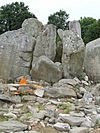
x=90, y=28
x=59, y=19
x=12, y=16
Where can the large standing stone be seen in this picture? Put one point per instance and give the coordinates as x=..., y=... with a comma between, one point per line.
x=32, y=26
x=75, y=27
x=92, y=60
x=16, y=49
x=73, y=54
x=46, y=43
x=45, y=69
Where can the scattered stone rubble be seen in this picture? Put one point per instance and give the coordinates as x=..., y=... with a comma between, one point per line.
x=48, y=109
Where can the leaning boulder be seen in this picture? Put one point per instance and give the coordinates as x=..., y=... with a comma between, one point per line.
x=73, y=54
x=92, y=60
x=45, y=69
x=16, y=48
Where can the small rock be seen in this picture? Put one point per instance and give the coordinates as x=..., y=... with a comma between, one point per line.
x=51, y=113
x=96, y=131
x=31, y=132
x=41, y=100
x=86, y=78
x=55, y=102
x=41, y=115
x=77, y=80
x=29, y=98
x=87, y=123
x=80, y=114
x=71, y=120
x=42, y=123
x=85, y=83
x=79, y=130
x=97, y=100
x=62, y=126
x=19, y=105
x=11, y=88
x=98, y=110
x=10, y=114
x=16, y=99
x=39, y=92
x=71, y=82
x=82, y=90
x=90, y=111
x=88, y=97
x=52, y=120
x=79, y=95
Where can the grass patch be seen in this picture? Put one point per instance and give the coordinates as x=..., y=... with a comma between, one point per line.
x=4, y=118
x=66, y=107
x=40, y=107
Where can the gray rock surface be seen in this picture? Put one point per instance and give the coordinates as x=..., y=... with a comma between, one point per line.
x=16, y=49
x=61, y=91
x=12, y=126
x=75, y=27
x=73, y=54
x=64, y=82
x=13, y=99
x=46, y=43
x=32, y=26
x=62, y=126
x=92, y=60
x=79, y=130
x=72, y=120
x=45, y=69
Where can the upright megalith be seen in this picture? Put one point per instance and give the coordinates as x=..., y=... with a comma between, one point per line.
x=92, y=60
x=73, y=53
x=16, y=48
x=46, y=43
x=32, y=26
x=75, y=27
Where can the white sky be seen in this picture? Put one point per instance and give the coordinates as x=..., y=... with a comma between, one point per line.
x=75, y=8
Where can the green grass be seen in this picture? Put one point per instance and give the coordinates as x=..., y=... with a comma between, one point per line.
x=4, y=118
x=40, y=107
x=66, y=107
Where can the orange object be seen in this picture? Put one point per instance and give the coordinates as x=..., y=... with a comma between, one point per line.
x=23, y=81
x=16, y=93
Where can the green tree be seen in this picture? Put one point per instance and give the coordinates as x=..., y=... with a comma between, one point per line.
x=60, y=19
x=12, y=16
x=89, y=28
x=93, y=32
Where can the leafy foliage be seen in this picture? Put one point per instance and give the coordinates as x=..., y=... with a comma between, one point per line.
x=12, y=16
x=90, y=28
x=59, y=19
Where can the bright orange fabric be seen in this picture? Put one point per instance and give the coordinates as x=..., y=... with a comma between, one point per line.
x=23, y=81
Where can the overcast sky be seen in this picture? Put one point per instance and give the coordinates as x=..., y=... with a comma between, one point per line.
x=75, y=8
